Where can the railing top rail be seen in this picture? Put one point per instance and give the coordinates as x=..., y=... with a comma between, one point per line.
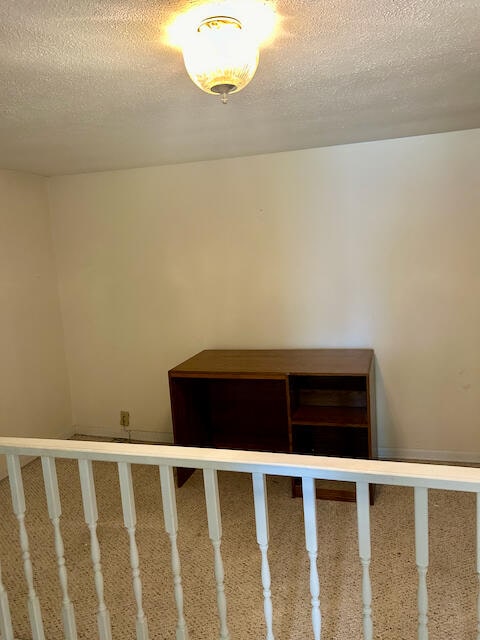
x=411, y=474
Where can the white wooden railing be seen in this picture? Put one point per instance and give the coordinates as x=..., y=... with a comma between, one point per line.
x=362, y=472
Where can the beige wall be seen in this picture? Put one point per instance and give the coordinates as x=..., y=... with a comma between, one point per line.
x=34, y=393
x=373, y=244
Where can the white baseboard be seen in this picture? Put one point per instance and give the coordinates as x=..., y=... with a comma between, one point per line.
x=147, y=436
x=466, y=457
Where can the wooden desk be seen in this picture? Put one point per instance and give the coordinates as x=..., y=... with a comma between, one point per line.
x=319, y=401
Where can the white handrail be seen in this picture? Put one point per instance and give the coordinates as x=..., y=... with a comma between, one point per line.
x=409, y=474
x=363, y=472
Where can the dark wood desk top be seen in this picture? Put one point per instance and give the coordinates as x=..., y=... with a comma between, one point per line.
x=320, y=362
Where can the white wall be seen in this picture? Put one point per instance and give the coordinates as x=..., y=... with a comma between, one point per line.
x=34, y=391
x=373, y=244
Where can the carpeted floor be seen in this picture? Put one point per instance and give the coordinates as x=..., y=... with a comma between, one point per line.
x=452, y=579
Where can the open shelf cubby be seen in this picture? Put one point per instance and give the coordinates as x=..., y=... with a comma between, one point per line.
x=329, y=400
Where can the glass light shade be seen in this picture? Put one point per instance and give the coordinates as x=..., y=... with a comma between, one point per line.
x=220, y=58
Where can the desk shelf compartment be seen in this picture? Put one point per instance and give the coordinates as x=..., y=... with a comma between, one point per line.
x=329, y=400
x=347, y=442
x=229, y=413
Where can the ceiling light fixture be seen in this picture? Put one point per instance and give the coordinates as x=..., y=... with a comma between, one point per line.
x=220, y=57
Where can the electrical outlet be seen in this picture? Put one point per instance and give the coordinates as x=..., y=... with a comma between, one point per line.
x=125, y=419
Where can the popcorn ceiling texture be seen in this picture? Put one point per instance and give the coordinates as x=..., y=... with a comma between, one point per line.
x=91, y=86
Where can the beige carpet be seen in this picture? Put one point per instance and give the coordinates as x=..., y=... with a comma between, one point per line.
x=452, y=579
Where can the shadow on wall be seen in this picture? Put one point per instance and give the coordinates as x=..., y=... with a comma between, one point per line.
x=386, y=435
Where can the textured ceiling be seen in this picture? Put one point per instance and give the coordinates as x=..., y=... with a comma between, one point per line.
x=89, y=85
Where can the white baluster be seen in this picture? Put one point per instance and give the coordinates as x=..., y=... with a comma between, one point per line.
x=210, y=481
x=478, y=565
x=310, y=517
x=261, y=523
x=18, y=501
x=363, y=518
x=130, y=521
x=421, y=551
x=91, y=516
x=171, y=527
x=6, y=631
x=54, y=512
